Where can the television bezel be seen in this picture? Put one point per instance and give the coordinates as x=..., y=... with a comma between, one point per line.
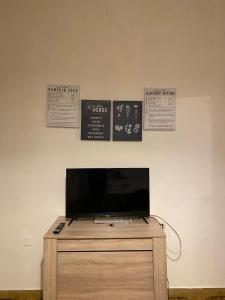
x=127, y=214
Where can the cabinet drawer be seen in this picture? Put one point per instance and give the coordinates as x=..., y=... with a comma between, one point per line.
x=105, y=245
x=105, y=275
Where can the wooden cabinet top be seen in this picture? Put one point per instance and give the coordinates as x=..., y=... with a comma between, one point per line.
x=88, y=229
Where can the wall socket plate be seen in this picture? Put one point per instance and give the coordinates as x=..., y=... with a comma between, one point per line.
x=28, y=241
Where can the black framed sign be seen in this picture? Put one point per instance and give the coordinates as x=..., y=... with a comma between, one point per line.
x=95, y=120
x=127, y=120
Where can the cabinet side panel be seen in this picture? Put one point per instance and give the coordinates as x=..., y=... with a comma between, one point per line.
x=160, y=269
x=105, y=275
x=49, y=269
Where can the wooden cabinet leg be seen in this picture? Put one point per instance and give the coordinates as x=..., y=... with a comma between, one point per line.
x=50, y=269
x=160, y=279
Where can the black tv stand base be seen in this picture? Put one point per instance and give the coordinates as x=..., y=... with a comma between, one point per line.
x=71, y=221
x=145, y=220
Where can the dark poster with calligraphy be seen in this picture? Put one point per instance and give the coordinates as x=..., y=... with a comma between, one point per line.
x=95, y=120
x=127, y=120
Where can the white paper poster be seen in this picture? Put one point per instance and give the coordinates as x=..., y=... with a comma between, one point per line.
x=160, y=109
x=63, y=106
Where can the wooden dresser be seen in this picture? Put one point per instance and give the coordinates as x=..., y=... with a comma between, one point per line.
x=102, y=262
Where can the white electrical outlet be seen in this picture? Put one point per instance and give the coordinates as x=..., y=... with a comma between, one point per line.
x=28, y=241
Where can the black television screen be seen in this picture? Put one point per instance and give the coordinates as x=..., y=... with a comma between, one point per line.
x=115, y=192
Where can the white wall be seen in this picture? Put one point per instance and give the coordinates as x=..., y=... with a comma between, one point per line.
x=113, y=49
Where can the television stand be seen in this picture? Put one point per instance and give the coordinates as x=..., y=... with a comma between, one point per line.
x=71, y=221
x=89, y=261
x=145, y=220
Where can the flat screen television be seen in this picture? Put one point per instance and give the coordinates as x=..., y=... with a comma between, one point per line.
x=107, y=192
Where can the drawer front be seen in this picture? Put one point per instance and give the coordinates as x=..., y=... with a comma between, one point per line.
x=105, y=245
x=105, y=275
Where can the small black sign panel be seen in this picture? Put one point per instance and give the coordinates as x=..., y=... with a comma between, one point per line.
x=127, y=120
x=95, y=120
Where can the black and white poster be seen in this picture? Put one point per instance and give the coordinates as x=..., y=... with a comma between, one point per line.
x=95, y=120
x=127, y=120
x=63, y=106
x=160, y=109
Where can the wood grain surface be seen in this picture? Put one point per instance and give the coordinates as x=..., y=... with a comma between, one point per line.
x=105, y=245
x=105, y=275
x=88, y=229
